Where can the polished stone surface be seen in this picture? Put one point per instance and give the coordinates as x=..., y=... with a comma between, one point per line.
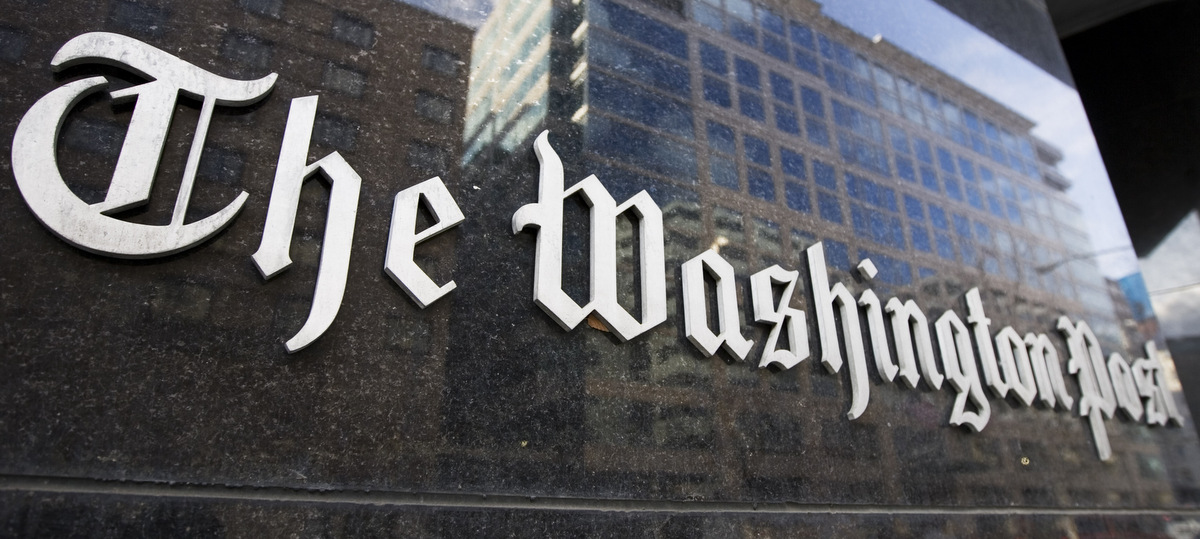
x=172, y=370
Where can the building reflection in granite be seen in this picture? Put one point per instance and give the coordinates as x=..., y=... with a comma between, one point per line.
x=758, y=129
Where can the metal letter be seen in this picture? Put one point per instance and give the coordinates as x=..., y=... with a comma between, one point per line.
x=695, y=307
x=911, y=330
x=766, y=312
x=1151, y=381
x=274, y=253
x=874, y=312
x=1129, y=399
x=958, y=358
x=88, y=226
x=1017, y=369
x=547, y=216
x=1052, y=389
x=403, y=238
x=824, y=299
x=1087, y=364
x=983, y=339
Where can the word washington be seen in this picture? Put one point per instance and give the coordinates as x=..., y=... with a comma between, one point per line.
x=1027, y=367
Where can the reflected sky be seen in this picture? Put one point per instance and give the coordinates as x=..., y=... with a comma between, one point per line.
x=940, y=38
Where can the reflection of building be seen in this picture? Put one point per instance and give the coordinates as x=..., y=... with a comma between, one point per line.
x=761, y=129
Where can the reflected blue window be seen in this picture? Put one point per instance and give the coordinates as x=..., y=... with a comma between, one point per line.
x=781, y=87
x=925, y=273
x=717, y=91
x=945, y=245
x=720, y=137
x=825, y=46
x=962, y=226
x=871, y=192
x=837, y=255
x=817, y=132
x=991, y=265
x=723, y=172
x=757, y=150
x=786, y=121
x=978, y=144
x=806, y=61
x=640, y=148
x=797, y=197
x=801, y=35
x=770, y=21
x=929, y=179
x=983, y=233
x=891, y=270
x=904, y=169
x=987, y=179
x=793, y=163
x=920, y=239
x=946, y=161
x=899, y=140
x=644, y=29
x=743, y=32
x=831, y=209
x=967, y=250
x=1014, y=214
x=747, y=73
x=708, y=16
x=751, y=106
x=953, y=189
x=639, y=64
x=972, y=121
x=924, y=153
x=813, y=104
x=760, y=183
x=995, y=206
x=1006, y=188
x=640, y=105
x=776, y=47
x=862, y=153
x=937, y=216
x=713, y=59
x=824, y=175
x=914, y=209
x=967, y=169
x=860, y=221
x=974, y=197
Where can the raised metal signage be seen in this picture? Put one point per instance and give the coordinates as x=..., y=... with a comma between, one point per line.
x=1025, y=366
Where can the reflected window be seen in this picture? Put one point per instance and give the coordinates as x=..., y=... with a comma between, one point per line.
x=757, y=150
x=760, y=184
x=817, y=132
x=248, y=50
x=747, y=73
x=713, y=58
x=139, y=18
x=353, y=30
x=717, y=92
x=831, y=208
x=776, y=47
x=352, y=81
x=812, y=102
x=797, y=197
x=440, y=61
x=824, y=175
x=793, y=163
x=720, y=137
x=920, y=239
x=336, y=132
x=434, y=107
x=751, y=106
x=781, y=88
x=267, y=8
x=786, y=120
x=723, y=172
x=427, y=157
